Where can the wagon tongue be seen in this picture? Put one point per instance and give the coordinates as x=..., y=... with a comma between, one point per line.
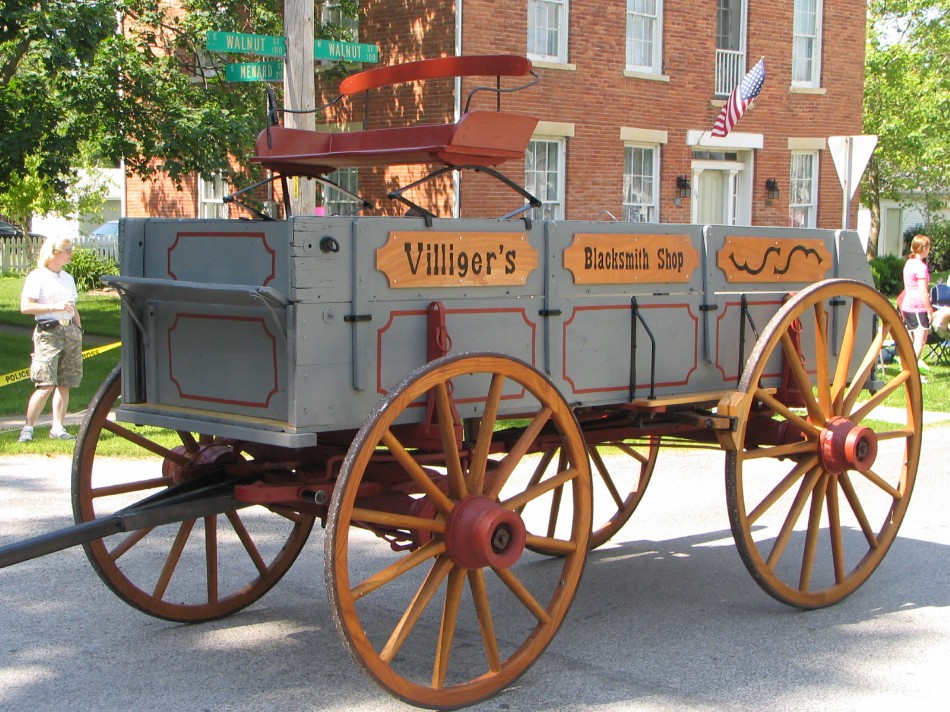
x=193, y=499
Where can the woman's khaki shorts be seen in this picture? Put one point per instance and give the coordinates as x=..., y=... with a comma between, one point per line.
x=57, y=356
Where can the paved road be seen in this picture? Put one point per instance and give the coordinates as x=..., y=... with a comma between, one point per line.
x=666, y=619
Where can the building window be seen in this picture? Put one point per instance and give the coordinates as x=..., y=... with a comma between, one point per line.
x=641, y=170
x=211, y=197
x=544, y=177
x=336, y=202
x=803, y=186
x=806, y=43
x=730, y=44
x=547, y=30
x=331, y=13
x=644, y=35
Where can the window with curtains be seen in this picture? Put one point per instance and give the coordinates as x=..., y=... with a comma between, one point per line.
x=544, y=177
x=803, y=187
x=547, y=30
x=645, y=35
x=806, y=43
x=640, y=178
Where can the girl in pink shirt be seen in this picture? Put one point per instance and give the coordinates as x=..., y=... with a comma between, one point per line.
x=916, y=309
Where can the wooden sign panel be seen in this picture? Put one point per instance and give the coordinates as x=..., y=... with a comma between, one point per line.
x=762, y=259
x=595, y=258
x=456, y=259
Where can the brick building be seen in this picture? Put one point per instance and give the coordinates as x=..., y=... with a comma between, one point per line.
x=629, y=93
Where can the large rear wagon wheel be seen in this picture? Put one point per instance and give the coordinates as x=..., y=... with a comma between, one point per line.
x=192, y=570
x=463, y=611
x=817, y=493
x=621, y=472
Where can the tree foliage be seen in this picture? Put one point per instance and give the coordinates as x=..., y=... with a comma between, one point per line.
x=907, y=102
x=96, y=82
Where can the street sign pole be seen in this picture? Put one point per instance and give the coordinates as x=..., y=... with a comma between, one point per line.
x=299, y=89
x=846, y=189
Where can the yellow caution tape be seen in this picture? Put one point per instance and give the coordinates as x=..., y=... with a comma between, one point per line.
x=23, y=374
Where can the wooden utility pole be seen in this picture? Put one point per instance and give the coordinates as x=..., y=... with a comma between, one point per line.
x=299, y=89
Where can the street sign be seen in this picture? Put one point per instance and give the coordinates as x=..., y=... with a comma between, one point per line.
x=851, y=155
x=268, y=46
x=254, y=72
x=264, y=45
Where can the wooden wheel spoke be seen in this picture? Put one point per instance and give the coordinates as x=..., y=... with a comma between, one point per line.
x=127, y=487
x=126, y=544
x=633, y=452
x=145, y=443
x=806, y=447
x=785, y=533
x=400, y=521
x=801, y=379
x=855, y=503
x=834, y=530
x=418, y=475
x=605, y=475
x=781, y=488
x=879, y=397
x=188, y=440
x=450, y=611
x=822, y=372
x=894, y=434
x=476, y=582
x=864, y=370
x=517, y=452
x=249, y=546
x=808, y=428
x=882, y=484
x=476, y=474
x=547, y=543
x=450, y=447
x=555, y=510
x=417, y=606
x=811, y=534
x=523, y=594
x=539, y=489
x=538, y=473
x=211, y=556
x=846, y=354
x=399, y=567
x=174, y=556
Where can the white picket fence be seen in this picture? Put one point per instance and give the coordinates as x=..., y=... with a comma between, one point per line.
x=18, y=254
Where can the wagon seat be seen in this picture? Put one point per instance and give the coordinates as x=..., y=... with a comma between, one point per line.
x=479, y=140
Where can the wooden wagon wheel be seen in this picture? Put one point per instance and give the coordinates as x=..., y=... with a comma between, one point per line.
x=817, y=493
x=190, y=571
x=461, y=614
x=619, y=483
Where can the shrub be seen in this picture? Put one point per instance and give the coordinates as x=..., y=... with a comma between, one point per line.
x=87, y=266
x=939, y=233
x=888, y=273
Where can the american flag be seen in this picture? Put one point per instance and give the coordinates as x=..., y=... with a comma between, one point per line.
x=739, y=100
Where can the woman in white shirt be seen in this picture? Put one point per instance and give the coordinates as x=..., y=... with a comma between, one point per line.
x=49, y=294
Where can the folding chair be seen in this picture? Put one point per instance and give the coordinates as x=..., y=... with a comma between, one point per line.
x=939, y=337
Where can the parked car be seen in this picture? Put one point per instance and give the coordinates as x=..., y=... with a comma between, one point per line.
x=107, y=232
x=8, y=230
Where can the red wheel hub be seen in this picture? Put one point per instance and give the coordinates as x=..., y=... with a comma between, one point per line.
x=846, y=446
x=481, y=533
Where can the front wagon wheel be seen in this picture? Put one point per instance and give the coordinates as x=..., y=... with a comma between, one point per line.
x=431, y=583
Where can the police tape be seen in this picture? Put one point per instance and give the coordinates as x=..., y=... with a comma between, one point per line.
x=23, y=374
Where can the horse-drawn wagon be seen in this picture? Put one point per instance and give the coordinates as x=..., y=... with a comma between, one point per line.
x=467, y=406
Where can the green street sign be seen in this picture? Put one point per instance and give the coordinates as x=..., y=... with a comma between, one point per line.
x=345, y=51
x=267, y=46
x=254, y=72
x=240, y=42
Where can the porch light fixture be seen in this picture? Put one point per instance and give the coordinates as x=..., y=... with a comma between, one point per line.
x=771, y=188
x=682, y=184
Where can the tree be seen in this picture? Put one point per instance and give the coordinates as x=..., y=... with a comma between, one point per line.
x=96, y=82
x=906, y=102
